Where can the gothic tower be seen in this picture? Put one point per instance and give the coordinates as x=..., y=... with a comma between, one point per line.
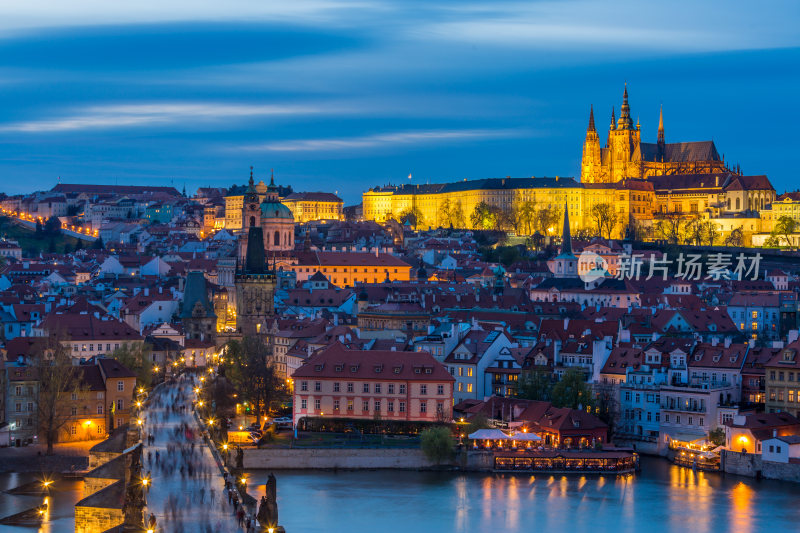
x=591, y=163
x=661, y=144
x=255, y=287
x=623, y=143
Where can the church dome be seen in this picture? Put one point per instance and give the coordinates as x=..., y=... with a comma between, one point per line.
x=272, y=209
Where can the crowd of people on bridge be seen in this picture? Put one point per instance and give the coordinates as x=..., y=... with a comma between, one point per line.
x=175, y=453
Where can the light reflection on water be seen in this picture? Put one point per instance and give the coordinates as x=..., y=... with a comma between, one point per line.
x=61, y=512
x=663, y=498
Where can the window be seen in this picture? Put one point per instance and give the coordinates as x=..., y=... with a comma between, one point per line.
x=439, y=389
x=390, y=407
x=391, y=388
x=423, y=389
x=377, y=406
x=402, y=407
x=460, y=371
x=690, y=421
x=366, y=388
x=666, y=418
x=120, y=404
x=317, y=404
x=18, y=390
x=304, y=386
x=423, y=407
x=627, y=396
x=469, y=372
x=303, y=404
x=402, y=388
x=335, y=405
x=469, y=387
x=365, y=406
x=120, y=386
x=377, y=388
x=336, y=386
x=700, y=423
x=349, y=405
x=73, y=430
x=99, y=408
x=317, y=386
x=18, y=407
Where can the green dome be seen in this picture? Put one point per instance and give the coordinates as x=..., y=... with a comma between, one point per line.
x=275, y=210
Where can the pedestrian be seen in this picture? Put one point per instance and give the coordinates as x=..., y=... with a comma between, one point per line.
x=212, y=495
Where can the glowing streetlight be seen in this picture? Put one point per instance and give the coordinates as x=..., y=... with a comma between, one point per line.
x=200, y=403
x=225, y=447
x=138, y=404
x=139, y=421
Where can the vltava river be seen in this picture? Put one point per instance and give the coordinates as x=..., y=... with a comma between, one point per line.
x=662, y=498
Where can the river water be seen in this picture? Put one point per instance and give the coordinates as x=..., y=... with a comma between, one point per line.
x=662, y=498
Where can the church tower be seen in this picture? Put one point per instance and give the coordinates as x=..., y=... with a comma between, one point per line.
x=623, y=143
x=660, y=142
x=255, y=287
x=591, y=163
x=565, y=264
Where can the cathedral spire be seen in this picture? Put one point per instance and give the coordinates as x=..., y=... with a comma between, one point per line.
x=625, y=121
x=613, y=120
x=591, y=120
x=272, y=177
x=566, y=237
x=661, y=125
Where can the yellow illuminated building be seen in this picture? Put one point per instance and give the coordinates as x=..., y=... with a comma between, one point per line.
x=311, y=206
x=626, y=156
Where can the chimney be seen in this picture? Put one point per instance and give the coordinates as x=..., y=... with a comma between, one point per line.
x=728, y=342
x=752, y=343
x=774, y=433
x=792, y=336
x=714, y=341
x=335, y=319
x=147, y=291
x=376, y=251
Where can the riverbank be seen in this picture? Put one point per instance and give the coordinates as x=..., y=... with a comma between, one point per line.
x=67, y=457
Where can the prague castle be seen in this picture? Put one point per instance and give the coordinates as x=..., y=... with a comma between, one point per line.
x=639, y=182
x=626, y=156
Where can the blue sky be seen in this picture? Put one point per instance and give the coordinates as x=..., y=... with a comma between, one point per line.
x=342, y=95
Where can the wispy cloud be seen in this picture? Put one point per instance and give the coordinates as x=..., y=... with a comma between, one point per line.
x=169, y=113
x=37, y=14
x=381, y=140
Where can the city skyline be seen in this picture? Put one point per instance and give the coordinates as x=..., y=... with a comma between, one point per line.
x=346, y=96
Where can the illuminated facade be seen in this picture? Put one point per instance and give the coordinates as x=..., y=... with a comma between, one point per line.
x=626, y=156
x=311, y=206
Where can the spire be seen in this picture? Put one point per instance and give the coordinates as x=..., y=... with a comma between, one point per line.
x=625, y=121
x=566, y=237
x=272, y=177
x=591, y=119
x=661, y=125
x=613, y=120
x=251, y=185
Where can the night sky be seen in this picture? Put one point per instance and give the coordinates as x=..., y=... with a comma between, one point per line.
x=345, y=95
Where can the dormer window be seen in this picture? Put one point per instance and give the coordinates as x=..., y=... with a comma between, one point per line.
x=319, y=368
x=396, y=369
x=354, y=369
x=417, y=370
x=378, y=369
x=339, y=368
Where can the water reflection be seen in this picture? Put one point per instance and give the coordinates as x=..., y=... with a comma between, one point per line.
x=663, y=498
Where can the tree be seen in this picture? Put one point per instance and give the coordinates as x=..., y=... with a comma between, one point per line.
x=670, y=227
x=52, y=227
x=485, y=216
x=547, y=220
x=526, y=215
x=572, y=391
x=58, y=380
x=248, y=366
x=477, y=422
x=98, y=244
x=413, y=216
x=536, y=385
x=735, y=238
x=451, y=214
x=604, y=219
x=784, y=228
x=136, y=358
x=717, y=436
x=437, y=444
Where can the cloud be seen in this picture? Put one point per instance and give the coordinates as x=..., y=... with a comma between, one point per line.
x=381, y=140
x=164, y=113
x=680, y=25
x=40, y=14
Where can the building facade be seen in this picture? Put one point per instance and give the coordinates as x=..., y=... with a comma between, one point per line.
x=394, y=386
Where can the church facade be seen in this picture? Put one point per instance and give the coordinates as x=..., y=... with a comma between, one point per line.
x=626, y=156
